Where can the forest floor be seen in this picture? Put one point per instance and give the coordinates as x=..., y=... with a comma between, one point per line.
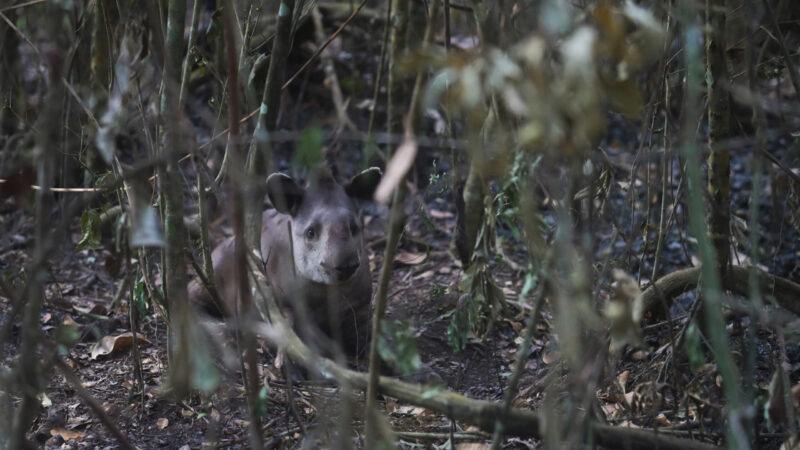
x=80, y=291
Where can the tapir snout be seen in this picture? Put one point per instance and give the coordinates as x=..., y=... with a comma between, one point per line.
x=345, y=268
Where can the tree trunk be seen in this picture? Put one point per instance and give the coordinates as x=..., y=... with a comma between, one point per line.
x=719, y=191
x=175, y=277
x=259, y=159
x=48, y=143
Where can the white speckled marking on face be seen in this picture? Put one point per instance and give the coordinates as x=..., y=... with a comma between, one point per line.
x=310, y=264
x=317, y=259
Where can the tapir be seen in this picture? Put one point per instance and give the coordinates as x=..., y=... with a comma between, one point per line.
x=313, y=253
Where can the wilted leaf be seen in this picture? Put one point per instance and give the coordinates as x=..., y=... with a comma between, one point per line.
x=44, y=400
x=628, y=399
x=94, y=309
x=652, y=33
x=611, y=410
x=65, y=434
x=663, y=420
x=112, y=344
x=410, y=258
x=550, y=357
x=410, y=410
x=438, y=214
x=577, y=52
x=471, y=446
x=623, y=312
x=775, y=409
x=162, y=423
x=622, y=380
x=396, y=169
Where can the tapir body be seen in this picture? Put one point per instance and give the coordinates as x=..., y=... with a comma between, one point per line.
x=314, y=256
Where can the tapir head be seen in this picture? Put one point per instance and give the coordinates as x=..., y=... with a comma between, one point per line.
x=327, y=244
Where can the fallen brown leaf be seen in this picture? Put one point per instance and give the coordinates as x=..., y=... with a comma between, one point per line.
x=622, y=379
x=396, y=169
x=437, y=214
x=94, y=309
x=471, y=446
x=410, y=258
x=162, y=423
x=112, y=344
x=65, y=434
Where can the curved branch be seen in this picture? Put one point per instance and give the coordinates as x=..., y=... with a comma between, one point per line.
x=785, y=292
x=481, y=413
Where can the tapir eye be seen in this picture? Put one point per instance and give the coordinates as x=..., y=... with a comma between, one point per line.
x=311, y=233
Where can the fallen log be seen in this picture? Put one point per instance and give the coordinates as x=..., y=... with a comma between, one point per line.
x=785, y=292
x=480, y=413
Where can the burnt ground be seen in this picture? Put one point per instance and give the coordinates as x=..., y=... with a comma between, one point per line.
x=82, y=286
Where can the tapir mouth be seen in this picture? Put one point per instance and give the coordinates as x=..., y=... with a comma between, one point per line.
x=345, y=272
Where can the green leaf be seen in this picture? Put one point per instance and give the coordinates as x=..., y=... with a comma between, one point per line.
x=458, y=329
x=205, y=375
x=530, y=282
x=432, y=392
x=397, y=345
x=438, y=290
x=91, y=229
x=694, y=349
x=425, y=219
x=260, y=407
x=139, y=297
x=309, y=149
x=709, y=78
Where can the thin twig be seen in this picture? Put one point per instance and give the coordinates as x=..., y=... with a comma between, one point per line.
x=784, y=50
x=323, y=46
x=332, y=80
x=22, y=5
x=189, y=49
x=379, y=74
x=396, y=223
x=234, y=171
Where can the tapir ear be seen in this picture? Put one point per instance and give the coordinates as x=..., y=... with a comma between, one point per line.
x=363, y=185
x=284, y=194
